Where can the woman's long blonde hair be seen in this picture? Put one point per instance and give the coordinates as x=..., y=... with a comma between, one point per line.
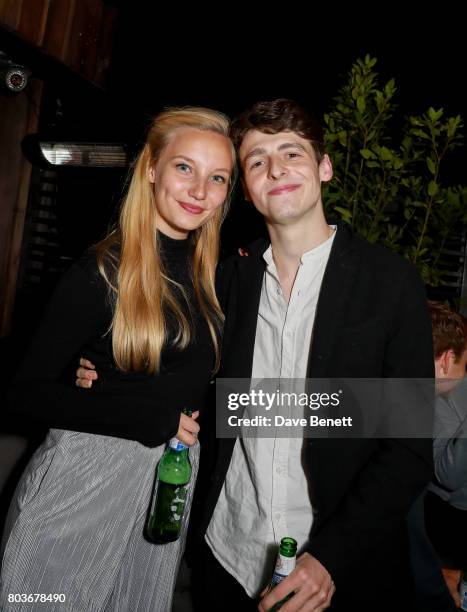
x=129, y=257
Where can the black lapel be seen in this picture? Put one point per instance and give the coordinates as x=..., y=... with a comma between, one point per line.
x=242, y=314
x=333, y=298
x=239, y=342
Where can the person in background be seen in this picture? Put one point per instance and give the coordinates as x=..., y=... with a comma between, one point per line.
x=446, y=499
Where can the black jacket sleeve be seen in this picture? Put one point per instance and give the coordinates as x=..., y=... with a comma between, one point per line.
x=76, y=314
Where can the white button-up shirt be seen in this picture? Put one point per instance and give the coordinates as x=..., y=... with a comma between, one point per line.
x=265, y=495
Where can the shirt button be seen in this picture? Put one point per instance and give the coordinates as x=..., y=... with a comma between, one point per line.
x=278, y=470
x=278, y=516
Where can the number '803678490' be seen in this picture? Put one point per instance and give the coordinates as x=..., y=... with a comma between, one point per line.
x=36, y=597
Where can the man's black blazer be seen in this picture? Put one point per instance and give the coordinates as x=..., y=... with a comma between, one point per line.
x=371, y=321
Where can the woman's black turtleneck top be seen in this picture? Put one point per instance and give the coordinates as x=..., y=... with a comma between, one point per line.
x=131, y=405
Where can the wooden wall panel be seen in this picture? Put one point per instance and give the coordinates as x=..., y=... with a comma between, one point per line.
x=82, y=49
x=58, y=28
x=78, y=33
x=33, y=20
x=10, y=13
x=18, y=117
x=105, y=47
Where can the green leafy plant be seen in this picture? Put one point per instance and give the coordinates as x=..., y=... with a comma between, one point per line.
x=387, y=182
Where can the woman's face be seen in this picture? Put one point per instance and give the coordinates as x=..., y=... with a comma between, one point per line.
x=191, y=180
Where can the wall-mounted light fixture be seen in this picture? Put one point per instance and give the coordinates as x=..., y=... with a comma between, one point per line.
x=47, y=153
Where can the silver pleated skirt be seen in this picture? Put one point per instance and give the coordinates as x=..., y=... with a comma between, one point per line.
x=75, y=529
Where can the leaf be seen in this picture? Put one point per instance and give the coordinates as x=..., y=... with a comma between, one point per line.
x=386, y=154
x=434, y=115
x=431, y=165
x=389, y=88
x=453, y=124
x=433, y=188
x=416, y=121
x=367, y=154
x=342, y=137
x=361, y=104
x=345, y=213
x=398, y=163
x=420, y=134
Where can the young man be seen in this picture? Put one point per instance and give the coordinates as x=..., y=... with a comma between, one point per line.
x=314, y=302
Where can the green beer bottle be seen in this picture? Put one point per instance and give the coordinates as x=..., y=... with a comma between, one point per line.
x=167, y=510
x=285, y=563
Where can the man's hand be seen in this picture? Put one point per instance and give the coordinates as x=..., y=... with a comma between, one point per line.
x=85, y=374
x=312, y=584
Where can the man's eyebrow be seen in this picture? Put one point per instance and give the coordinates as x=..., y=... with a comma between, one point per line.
x=254, y=152
x=293, y=145
x=282, y=147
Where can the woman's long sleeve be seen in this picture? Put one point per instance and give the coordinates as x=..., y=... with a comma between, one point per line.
x=76, y=314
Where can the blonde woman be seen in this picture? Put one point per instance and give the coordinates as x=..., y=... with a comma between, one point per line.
x=142, y=306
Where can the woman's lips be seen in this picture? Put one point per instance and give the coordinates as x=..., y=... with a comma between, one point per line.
x=191, y=208
x=283, y=189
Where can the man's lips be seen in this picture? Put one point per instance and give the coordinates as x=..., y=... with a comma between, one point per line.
x=192, y=208
x=283, y=189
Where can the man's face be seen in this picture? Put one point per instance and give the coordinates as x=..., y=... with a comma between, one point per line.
x=282, y=176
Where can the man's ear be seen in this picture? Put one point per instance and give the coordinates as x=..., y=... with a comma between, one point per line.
x=151, y=174
x=325, y=169
x=246, y=193
x=444, y=362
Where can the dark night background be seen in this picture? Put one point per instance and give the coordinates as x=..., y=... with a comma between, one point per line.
x=228, y=60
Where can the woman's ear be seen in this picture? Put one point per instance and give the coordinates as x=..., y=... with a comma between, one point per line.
x=152, y=174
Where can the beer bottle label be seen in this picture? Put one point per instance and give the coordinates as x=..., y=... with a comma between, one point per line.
x=177, y=445
x=284, y=565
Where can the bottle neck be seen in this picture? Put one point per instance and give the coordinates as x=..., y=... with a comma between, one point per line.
x=288, y=547
x=176, y=445
x=177, y=449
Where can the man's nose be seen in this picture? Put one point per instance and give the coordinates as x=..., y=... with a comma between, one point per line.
x=276, y=169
